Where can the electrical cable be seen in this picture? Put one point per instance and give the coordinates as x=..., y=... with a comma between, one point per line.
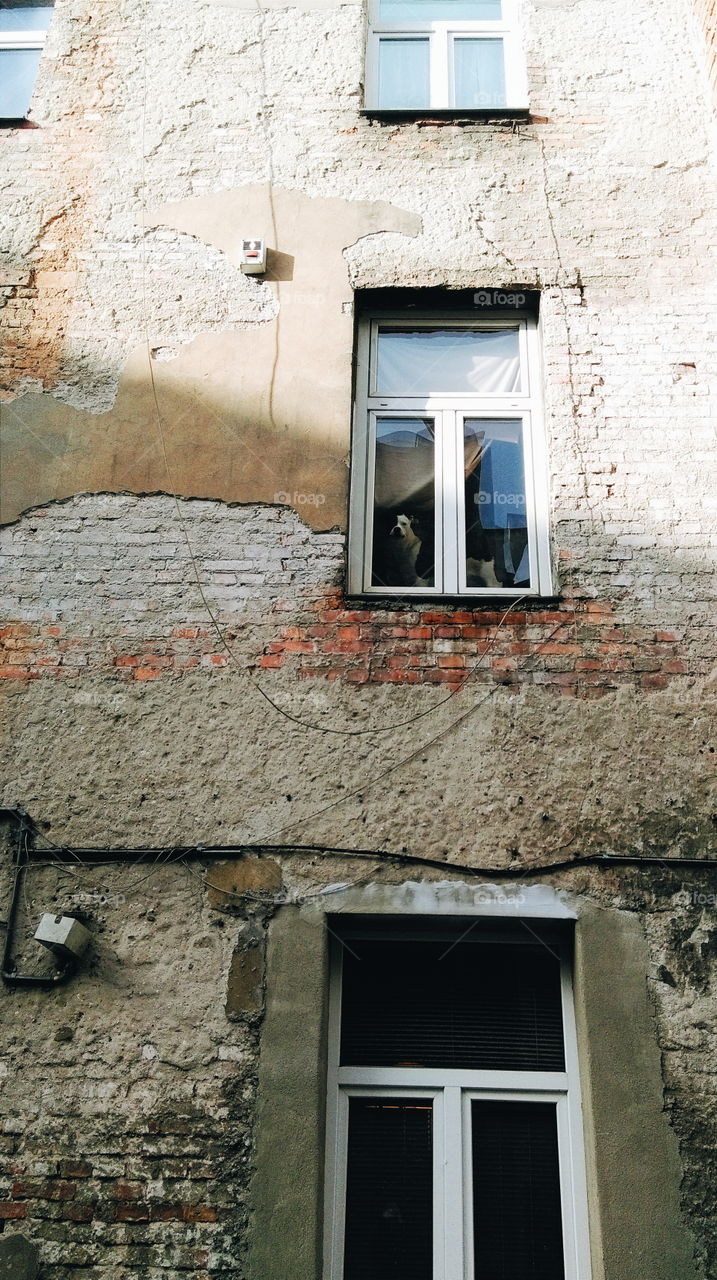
x=96, y=855
x=385, y=773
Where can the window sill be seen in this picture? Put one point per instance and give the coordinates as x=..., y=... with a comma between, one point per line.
x=450, y=115
x=472, y=604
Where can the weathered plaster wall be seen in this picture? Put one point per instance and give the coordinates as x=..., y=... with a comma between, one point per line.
x=259, y=402
x=133, y=206
x=128, y=1129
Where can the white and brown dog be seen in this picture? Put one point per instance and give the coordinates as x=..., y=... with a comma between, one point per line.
x=400, y=552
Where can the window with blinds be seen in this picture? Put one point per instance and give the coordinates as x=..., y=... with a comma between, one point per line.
x=389, y=1205
x=479, y=1006
x=452, y=1130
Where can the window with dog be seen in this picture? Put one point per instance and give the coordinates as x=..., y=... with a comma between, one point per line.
x=449, y=474
x=454, y=1132
x=446, y=55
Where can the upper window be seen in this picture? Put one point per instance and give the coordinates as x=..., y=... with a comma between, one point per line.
x=454, y=1132
x=461, y=55
x=449, y=477
x=23, y=28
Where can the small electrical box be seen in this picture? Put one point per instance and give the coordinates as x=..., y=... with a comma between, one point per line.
x=64, y=935
x=253, y=257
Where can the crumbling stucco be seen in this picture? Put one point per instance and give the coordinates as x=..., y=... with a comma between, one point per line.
x=257, y=412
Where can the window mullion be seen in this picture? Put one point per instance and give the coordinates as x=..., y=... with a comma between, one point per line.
x=453, y=1183
x=440, y=79
x=450, y=477
x=567, y=1173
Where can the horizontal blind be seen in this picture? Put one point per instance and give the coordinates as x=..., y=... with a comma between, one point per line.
x=468, y=1005
x=516, y=1192
x=389, y=1191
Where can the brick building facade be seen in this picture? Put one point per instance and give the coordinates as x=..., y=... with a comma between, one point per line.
x=219, y=754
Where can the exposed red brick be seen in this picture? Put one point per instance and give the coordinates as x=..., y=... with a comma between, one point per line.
x=132, y=1213
x=75, y=1169
x=370, y=645
x=126, y=1191
x=199, y=1213
x=52, y=1189
x=166, y=1213
x=12, y=1209
x=78, y=1212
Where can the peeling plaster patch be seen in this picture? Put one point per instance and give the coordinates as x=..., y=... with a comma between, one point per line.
x=187, y=287
x=163, y=354
x=257, y=412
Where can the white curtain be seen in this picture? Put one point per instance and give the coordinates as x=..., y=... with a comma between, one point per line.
x=427, y=362
x=479, y=73
x=403, y=73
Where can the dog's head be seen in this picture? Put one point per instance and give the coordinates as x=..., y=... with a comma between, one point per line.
x=406, y=527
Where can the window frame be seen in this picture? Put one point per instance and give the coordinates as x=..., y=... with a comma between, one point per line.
x=526, y=405
x=452, y=1092
x=19, y=41
x=441, y=34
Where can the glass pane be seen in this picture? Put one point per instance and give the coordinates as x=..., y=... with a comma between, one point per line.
x=516, y=1191
x=470, y=1005
x=389, y=1189
x=25, y=17
x=18, y=72
x=479, y=71
x=423, y=362
x=440, y=11
x=496, y=513
x=403, y=74
x=404, y=537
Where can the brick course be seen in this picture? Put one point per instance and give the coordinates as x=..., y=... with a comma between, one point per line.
x=263, y=575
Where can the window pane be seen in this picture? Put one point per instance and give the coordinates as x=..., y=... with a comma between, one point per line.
x=471, y=1005
x=403, y=73
x=496, y=515
x=422, y=362
x=440, y=10
x=25, y=18
x=18, y=71
x=479, y=72
x=389, y=1189
x=516, y=1191
x=404, y=538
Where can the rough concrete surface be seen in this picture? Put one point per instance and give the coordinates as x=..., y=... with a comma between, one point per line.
x=19, y=1258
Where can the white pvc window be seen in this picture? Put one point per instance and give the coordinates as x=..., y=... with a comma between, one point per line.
x=449, y=482
x=444, y=54
x=23, y=29
x=454, y=1174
